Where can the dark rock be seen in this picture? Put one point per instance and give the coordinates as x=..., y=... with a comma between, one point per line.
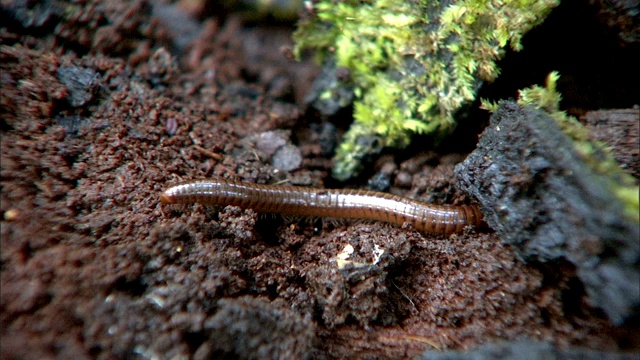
x=327, y=136
x=32, y=14
x=287, y=158
x=81, y=83
x=544, y=200
x=334, y=83
x=380, y=181
x=72, y=124
x=269, y=142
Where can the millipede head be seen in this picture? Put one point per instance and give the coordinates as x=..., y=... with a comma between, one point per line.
x=166, y=199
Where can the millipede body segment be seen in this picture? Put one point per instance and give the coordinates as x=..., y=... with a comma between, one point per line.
x=316, y=202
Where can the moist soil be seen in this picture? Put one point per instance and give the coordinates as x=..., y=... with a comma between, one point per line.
x=105, y=104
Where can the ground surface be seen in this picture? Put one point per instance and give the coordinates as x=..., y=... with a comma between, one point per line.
x=105, y=104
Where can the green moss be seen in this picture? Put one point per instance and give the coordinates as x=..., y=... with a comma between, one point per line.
x=413, y=64
x=595, y=154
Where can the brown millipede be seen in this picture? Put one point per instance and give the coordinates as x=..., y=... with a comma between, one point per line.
x=341, y=204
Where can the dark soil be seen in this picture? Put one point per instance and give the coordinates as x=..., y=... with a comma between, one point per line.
x=105, y=104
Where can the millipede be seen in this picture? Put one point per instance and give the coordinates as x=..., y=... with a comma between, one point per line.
x=333, y=203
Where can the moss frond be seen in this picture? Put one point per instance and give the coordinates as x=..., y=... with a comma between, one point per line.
x=415, y=63
x=597, y=155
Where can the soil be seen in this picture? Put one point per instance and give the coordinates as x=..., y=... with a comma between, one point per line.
x=105, y=104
